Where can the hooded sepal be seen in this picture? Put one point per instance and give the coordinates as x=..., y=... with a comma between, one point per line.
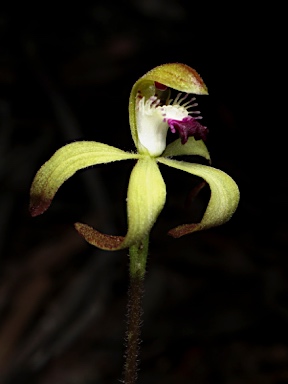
x=177, y=76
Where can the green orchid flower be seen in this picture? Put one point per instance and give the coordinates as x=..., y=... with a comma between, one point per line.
x=152, y=113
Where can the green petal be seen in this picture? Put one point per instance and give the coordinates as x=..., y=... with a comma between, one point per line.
x=191, y=147
x=177, y=76
x=145, y=200
x=223, y=201
x=63, y=164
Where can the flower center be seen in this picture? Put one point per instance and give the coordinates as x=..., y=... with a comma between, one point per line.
x=183, y=122
x=154, y=119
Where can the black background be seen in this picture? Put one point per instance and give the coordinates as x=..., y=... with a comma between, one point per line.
x=216, y=302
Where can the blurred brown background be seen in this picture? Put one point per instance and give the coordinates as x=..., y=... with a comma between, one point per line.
x=216, y=303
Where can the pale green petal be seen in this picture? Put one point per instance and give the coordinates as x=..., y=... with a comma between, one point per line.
x=177, y=76
x=64, y=163
x=223, y=201
x=191, y=147
x=145, y=200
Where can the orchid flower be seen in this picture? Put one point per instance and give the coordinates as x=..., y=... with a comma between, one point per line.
x=152, y=113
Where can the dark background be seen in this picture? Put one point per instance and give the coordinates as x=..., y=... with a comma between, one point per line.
x=216, y=302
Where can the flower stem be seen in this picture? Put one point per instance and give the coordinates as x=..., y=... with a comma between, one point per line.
x=138, y=257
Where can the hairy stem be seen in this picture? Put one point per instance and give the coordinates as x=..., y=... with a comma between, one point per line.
x=138, y=257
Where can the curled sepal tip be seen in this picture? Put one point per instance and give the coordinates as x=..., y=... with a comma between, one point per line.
x=144, y=203
x=98, y=239
x=223, y=201
x=63, y=164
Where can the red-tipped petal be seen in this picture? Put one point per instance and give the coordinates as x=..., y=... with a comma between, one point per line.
x=38, y=205
x=98, y=239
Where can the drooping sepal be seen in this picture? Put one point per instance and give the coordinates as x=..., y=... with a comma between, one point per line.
x=98, y=239
x=223, y=201
x=63, y=164
x=145, y=200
